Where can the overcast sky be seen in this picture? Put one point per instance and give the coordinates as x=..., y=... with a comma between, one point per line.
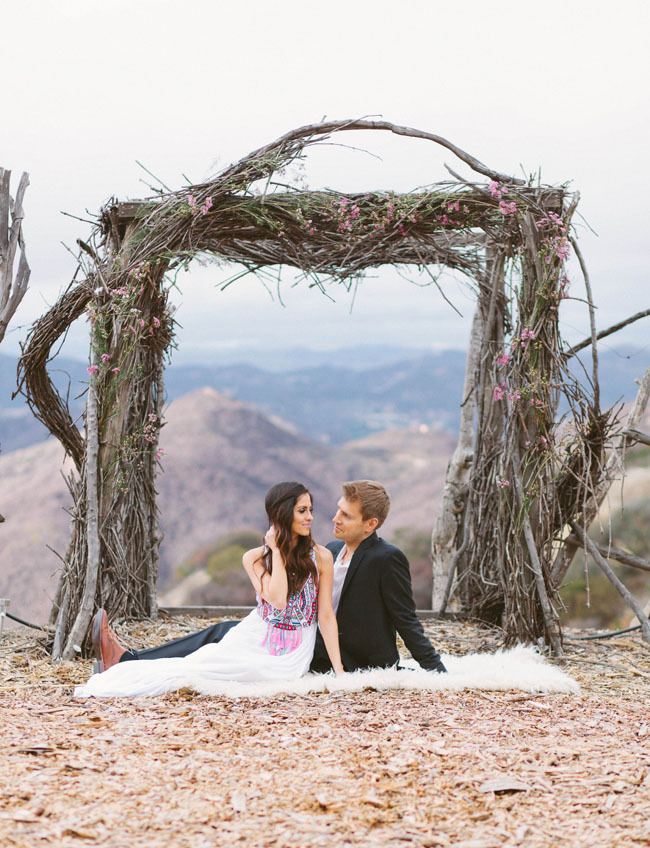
x=90, y=87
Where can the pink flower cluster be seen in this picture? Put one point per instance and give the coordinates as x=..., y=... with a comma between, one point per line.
x=495, y=189
x=446, y=220
x=194, y=207
x=307, y=223
x=564, y=286
x=93, y=370
x=499, y=392
x=542, y=443
x=150, y=430
x=383, y=221
x=503, y=359
x=507, y=208
x=527, y=335
x=140, y=272
x=347, y=215
x=555, y=240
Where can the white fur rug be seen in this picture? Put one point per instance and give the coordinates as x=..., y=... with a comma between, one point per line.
x=521, y=668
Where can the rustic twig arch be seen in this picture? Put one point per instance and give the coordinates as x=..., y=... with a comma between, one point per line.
x=517, y=479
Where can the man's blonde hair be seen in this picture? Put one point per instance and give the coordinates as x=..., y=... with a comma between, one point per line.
x=372, y=496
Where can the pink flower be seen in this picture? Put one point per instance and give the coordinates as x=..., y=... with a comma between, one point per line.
x=498, y=393
x=191, y=201
x=495, y=189
x=504, y=359
x=115, y=370
x=507, y=208
x=504, y=483
x=92, y=369
x=106, y=357
x=156, y=322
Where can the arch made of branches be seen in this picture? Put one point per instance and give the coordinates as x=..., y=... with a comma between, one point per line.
x=518, y=478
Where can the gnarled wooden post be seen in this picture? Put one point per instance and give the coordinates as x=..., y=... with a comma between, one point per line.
x=12, y=288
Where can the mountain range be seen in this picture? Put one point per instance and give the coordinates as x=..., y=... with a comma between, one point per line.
x=331, y=396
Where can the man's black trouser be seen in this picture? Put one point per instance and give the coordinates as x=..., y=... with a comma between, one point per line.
x=184, y=645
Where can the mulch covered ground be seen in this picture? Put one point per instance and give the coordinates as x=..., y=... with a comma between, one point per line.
x=470, y=769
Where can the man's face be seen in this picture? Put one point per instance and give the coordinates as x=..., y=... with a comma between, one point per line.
x=349, y=524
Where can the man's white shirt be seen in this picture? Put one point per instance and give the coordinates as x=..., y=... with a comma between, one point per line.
x=340, y=571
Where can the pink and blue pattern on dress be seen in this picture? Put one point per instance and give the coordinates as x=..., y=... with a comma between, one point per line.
x=284, y=631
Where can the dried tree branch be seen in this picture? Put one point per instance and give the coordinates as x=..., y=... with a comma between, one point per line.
x=314, y=130
x=592, y=324
x=77, y=632
x=637, y=436
x=608, y=332
x=550, y=615
x=613, y=579
x=610, y=552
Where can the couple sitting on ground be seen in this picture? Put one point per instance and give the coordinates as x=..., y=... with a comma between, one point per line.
x=320, y=609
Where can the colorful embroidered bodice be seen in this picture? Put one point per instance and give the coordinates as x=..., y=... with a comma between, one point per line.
x=284, y=626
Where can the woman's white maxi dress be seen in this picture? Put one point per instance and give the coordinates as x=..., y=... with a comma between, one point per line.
x=268, y=644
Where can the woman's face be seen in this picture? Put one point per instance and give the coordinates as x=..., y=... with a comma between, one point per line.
x=302, y=516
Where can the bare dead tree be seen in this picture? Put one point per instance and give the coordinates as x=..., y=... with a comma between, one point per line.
x=12, y=287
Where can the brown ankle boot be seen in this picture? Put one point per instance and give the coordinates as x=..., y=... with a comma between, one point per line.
x=108, y=650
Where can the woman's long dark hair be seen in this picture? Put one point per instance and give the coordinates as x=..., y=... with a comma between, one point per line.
x=279, y=504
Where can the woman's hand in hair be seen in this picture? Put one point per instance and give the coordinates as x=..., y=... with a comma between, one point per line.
x=270, y=539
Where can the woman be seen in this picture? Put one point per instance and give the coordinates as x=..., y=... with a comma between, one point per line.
x=292, y=578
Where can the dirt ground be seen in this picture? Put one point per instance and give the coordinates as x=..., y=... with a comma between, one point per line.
x=470, y=769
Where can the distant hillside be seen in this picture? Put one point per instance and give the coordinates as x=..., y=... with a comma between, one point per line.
x=221, y=457
x=335, y=401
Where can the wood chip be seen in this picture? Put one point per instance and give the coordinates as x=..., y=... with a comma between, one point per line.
x=504, y=783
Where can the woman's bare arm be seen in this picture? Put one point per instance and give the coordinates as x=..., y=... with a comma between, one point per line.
x=326, y=617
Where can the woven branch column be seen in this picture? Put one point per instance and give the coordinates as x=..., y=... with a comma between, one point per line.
x=130, y=331
x=512, y=507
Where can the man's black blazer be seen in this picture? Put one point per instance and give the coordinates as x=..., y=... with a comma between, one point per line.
x=376, y=601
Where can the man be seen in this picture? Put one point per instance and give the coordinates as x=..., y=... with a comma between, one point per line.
x=371, y=595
